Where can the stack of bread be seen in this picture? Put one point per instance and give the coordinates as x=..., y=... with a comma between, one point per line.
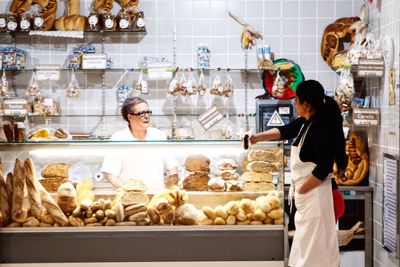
x=258, y=169
x=264, y=210
x=197, y=173
x=227, y=177
x=54, y=174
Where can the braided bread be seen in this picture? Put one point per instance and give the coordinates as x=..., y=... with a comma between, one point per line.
x=49, y=14
x=20, y=6
x=103, y=6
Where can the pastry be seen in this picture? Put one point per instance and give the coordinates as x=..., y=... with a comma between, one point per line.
x=56, y=170
x=194, y=163
x=60, y=133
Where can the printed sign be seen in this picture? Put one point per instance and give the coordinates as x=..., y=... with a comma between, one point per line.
x=94, y=61
x=275, y=120
x=370, y=67
x=49, y=72
x=366, y=116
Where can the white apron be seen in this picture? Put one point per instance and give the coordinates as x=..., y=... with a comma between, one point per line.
x=315, y=241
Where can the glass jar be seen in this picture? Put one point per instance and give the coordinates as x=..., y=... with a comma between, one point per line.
x=24, y=22
x=12, y=22
x=38, y=22
x=139, y=23
x=93, y=21
x=124, y=22
x=3, y=23
x=108, y=22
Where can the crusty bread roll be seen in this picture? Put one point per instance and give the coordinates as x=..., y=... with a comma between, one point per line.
x=194, y=163
x=234, y=185
x=247, y=205
x=187, y=214
x=56, y=170
x=154, y=216
x=209, y=212
x=18, y=213
x=257, y=177
x=275, y=213
x=136, y=208
x=33, y=192
x=5, y=207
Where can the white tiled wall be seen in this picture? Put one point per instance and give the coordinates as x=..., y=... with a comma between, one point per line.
x=385, y=138
x=292, y=28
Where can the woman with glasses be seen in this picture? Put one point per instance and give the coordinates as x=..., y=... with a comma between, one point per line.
x=150, y=167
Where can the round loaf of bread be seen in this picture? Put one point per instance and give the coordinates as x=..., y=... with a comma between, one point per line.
x=197, y=162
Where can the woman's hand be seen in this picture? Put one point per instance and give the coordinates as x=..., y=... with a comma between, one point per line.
x=253, y=139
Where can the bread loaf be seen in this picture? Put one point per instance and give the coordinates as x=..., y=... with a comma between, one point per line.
x=234, y=185
x=258, y=186
x=132, y=198
x=261, y=166
x=228, y=174
x=195, y=163
x=197, y=181
x=53, y=209
x=262, y=155
x=256, y=177
x=71, y=23
x=9, y=183
x=66, y=198
x=187, y=214
x=33, y=192
x=18, y=213
x=52, y=184
x=227, y=164
x=5, y=207
x=216, y=184
x=134, y=185
x=56, y=170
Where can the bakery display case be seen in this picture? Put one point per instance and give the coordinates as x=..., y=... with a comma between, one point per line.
x=227, y=199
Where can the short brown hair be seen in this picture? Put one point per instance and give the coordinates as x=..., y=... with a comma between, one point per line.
x=129, y=103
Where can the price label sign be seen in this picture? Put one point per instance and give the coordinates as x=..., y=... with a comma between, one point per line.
x=50, y=72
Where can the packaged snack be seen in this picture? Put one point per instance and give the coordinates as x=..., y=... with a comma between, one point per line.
x=216, y=88
x=228, y=88
x=123, y=92
x=201, y=87
x=73, y=87
x=141, y=86
x=33, y=86
x=3, y=84
x=203, y=56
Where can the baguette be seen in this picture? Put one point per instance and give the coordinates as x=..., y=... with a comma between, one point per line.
x=53, y=208
x=33, y=193
x=18, y=213
x=5, y=208
x=9, y=182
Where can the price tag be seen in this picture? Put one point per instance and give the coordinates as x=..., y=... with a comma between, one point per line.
x=94, y=61
x=159, y=73
x=48, y=72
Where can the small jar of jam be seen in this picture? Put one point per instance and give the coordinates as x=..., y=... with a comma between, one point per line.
x=12, y=22
x=124, y=22
x=24, y=22
x=38, y=22
x=93, y=21
x=3, y=23
x=108, y=22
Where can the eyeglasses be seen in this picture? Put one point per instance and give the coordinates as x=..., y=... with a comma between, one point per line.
x=142, y=113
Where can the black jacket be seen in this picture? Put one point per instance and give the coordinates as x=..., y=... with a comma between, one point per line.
x=323, y=144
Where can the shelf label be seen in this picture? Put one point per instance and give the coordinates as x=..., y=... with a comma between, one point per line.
x=365, y=116
x=370, y=67
x=159, y=73
x=15, y=106
x=48, y=72
x=94, y=61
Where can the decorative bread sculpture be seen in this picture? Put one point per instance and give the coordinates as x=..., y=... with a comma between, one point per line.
x=73, y=21
x=48, y=11
x=358, y=164
x=340, y=31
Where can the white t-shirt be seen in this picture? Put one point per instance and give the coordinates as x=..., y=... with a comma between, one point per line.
x=148, y=167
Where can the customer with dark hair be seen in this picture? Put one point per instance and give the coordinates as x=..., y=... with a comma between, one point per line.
x=319, y=143
x=144, y=166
